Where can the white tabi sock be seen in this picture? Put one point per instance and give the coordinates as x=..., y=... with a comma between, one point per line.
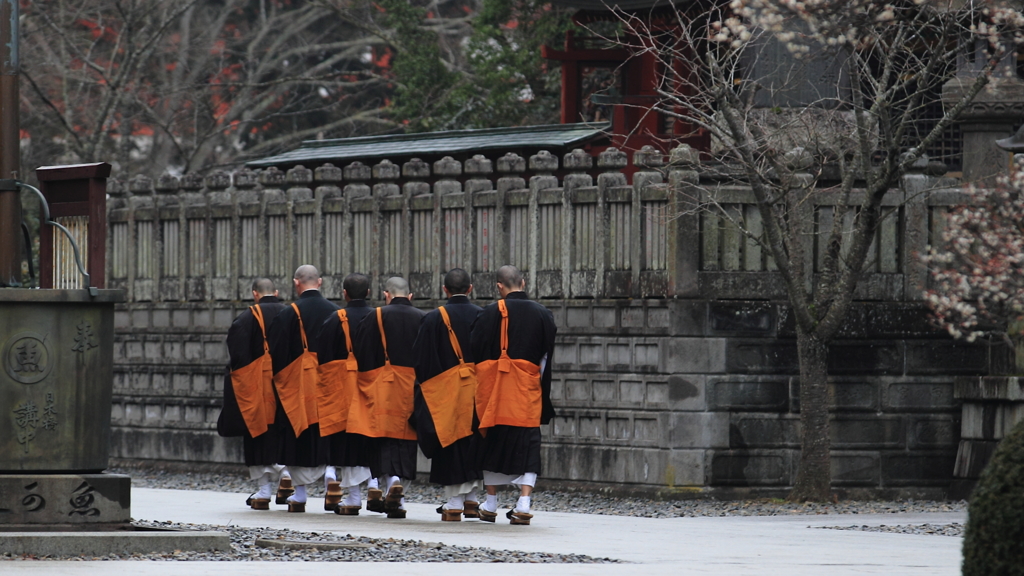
x=354, y=498
x=472, y=496
x=523, y=505
x=401, y=504
x=300, y=494
x=456, y=503
x=372, y=484
x=491, y=504
x=264, y=492
x=285, y=473
x=330, y=475
x=391, y=481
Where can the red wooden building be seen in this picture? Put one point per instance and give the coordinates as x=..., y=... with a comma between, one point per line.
x=603, y=82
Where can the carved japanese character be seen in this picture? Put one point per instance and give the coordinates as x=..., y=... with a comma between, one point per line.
x=82, y=501
x=85, y=338
x=27, y=357
x=33, y=502
x=49, y=413
x=26, y=418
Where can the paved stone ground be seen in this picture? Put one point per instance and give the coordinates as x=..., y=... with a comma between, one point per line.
x=557, y=543
x=578, y=531
x=298, y=545
x=576, y=502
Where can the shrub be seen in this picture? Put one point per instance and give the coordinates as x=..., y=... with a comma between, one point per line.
x=994, y=538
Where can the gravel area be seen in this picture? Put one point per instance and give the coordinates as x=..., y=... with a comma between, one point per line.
x=579, y=502
x=955, y=529
x=302, y=546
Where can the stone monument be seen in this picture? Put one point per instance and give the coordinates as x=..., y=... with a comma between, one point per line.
x=56, y=361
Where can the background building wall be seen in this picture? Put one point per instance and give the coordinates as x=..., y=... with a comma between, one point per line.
x=675, y=365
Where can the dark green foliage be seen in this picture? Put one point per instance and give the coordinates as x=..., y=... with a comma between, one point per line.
x=994, y=538
x=506, y=64
x=496, y=77
x=424, y=94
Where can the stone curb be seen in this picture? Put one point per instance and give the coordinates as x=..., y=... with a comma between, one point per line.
x=309, y=545
x=104, y=543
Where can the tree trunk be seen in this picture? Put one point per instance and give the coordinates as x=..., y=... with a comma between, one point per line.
x=814, y=477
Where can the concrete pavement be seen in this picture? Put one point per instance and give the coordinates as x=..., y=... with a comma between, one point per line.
x=724, y=546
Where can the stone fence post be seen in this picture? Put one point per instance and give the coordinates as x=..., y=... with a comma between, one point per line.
x=683, y=236
x=578, y=162
x=479, y=236
x=544, y=164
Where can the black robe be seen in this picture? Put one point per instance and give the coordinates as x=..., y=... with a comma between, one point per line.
x=285, y=346
x=460, y=461
x=390, y=456
x=343, y=449
x=531, y=336
x=245, y=345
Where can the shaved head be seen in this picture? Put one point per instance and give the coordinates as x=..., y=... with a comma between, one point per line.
x=306, y=275
x=457, y=281
x=397, y=286
x=263, y=286
x=510, y=277
x=357, y=286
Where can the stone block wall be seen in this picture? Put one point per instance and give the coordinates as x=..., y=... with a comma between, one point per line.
x=649, y=393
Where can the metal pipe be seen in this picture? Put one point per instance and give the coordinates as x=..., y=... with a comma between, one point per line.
x=46, y=220
x=10, y=146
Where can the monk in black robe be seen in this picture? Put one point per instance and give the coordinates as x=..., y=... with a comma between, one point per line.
x=347, y=454
x=296, y=381
x=511, y=415
x=247, y=345
x=384, y=403
x=446, y=389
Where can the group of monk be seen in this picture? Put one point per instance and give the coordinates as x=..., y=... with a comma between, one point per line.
x=346, y=395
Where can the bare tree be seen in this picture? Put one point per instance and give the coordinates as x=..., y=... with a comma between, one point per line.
x=192, y=83
x=854, y=138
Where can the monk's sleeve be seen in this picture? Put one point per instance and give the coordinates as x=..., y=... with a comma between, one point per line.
x=277, y=339
x=324, y=341
x=365, y=342
x=239, y=335
x=230, y=422
x=482, y=335
x=423, y=350
x=547, y=408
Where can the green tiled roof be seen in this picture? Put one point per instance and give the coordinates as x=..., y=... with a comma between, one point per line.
x=342, y=150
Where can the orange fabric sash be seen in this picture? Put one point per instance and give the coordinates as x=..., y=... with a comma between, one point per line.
x=269, y=401
x=509, y=392
x=297, y=385
x=449, y=395
x=337, y=386
x=384, y=398
x=251, y=383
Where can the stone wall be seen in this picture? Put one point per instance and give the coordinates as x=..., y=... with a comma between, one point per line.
x=675, y=365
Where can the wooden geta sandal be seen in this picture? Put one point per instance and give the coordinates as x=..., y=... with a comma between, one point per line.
x=347, y=510
x=375, y=500
x=284, y=490
x=333, y=496
x=393, y=502
x=519, y=518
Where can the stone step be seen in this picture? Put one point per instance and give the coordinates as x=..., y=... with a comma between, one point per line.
x=972, y=457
